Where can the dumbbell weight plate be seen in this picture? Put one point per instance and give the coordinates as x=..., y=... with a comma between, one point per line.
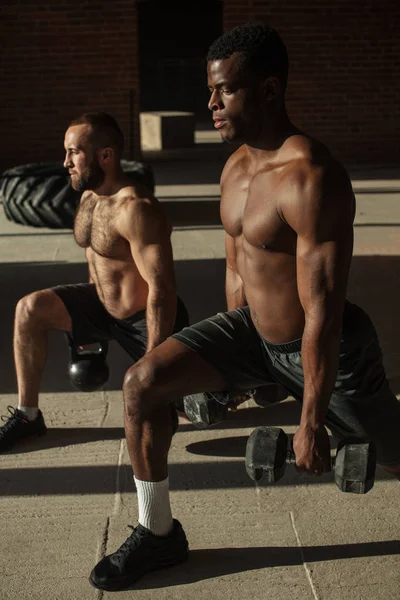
x=266, y=452
x=266, y=395
x=355, y=467
x=204, y=410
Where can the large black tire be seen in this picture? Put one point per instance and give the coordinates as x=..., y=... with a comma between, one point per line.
x=40, y=194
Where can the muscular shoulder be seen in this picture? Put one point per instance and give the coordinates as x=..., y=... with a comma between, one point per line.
x=139, y=210
x=313, y=168
x=135, y=200
x=317, y=188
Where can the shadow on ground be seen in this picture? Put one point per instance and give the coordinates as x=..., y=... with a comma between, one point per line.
x=286, y=413
x=100, y=479
x=374, y=284
x=217, y=562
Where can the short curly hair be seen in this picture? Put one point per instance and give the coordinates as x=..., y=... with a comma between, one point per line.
x=261, y=49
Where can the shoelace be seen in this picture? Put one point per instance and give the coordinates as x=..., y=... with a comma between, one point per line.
x=130, y=544
x=12, y=420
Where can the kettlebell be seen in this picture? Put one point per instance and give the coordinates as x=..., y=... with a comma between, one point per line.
x=88, y=370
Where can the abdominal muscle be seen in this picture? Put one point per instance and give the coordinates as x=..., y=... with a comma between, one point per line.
x=270, y=286
x=121, y=289
x=278, y=318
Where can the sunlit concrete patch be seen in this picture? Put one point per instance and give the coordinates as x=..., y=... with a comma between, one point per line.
x=352, y=543
x=257, y=560
x=49, y=557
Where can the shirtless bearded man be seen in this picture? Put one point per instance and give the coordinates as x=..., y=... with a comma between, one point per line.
x=132, y=294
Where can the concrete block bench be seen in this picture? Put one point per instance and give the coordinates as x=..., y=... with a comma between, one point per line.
x=167, y=129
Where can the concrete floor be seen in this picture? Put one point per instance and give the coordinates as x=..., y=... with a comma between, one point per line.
x=67, y=498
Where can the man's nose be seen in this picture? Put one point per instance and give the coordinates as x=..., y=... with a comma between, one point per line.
x=215, y=102
x=67, y=161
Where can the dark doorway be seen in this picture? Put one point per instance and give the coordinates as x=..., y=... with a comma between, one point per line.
x=174, y=37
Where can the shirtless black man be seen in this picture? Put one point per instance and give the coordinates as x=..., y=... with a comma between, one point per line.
x=287, y=207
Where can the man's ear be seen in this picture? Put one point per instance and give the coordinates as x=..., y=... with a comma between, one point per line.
x=272, y=88
x=106, y=155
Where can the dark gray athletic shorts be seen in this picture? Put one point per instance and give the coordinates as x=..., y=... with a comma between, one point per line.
x=361, y=405
x=91, y=322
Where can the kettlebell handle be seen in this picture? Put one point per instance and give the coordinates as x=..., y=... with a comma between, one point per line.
x=75, y=353
x=103, y=350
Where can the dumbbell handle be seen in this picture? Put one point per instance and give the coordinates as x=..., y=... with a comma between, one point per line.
x=291, y=458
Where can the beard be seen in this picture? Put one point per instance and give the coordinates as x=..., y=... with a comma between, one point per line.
x=91, y=178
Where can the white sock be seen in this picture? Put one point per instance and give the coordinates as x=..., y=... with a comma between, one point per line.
x=154, y=506
x=30, y=412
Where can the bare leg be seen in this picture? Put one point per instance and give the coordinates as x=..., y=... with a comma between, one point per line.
x=35, y=315
x=170, y=371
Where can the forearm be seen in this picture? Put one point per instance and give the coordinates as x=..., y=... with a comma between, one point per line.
x=160, y=316
x=320, y=359
x=234, y=289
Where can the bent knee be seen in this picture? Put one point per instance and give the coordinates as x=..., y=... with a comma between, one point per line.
x=140, y=377
x=44, y=308
x=30, y=307
x=140, y=387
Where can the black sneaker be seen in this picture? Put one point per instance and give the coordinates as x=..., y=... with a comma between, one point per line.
x=17, y=427
x=141, y=553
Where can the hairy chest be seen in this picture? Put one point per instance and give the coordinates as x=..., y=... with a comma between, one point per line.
x=95, y=227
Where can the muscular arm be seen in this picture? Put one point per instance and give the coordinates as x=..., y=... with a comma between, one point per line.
x=147, y=230
x=234, y=289
x=321, y=212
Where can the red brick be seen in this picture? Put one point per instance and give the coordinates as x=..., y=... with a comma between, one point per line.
x=344, y=84
x=63, y=59
x=59, y=63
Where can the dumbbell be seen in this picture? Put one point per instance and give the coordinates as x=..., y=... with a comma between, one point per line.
x=268, y=452
x=206, y=409
x=209, y=408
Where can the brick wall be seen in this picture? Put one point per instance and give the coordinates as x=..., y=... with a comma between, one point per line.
x=344, y=79
x=62, y=59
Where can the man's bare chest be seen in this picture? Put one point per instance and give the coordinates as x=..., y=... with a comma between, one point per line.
x=95, y=228
x=252, y=210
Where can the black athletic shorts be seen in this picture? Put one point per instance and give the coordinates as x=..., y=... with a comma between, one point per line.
x=362, y=405
x=91, y=322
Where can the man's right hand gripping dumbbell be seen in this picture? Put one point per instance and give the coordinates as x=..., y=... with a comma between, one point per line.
x=269, y=451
